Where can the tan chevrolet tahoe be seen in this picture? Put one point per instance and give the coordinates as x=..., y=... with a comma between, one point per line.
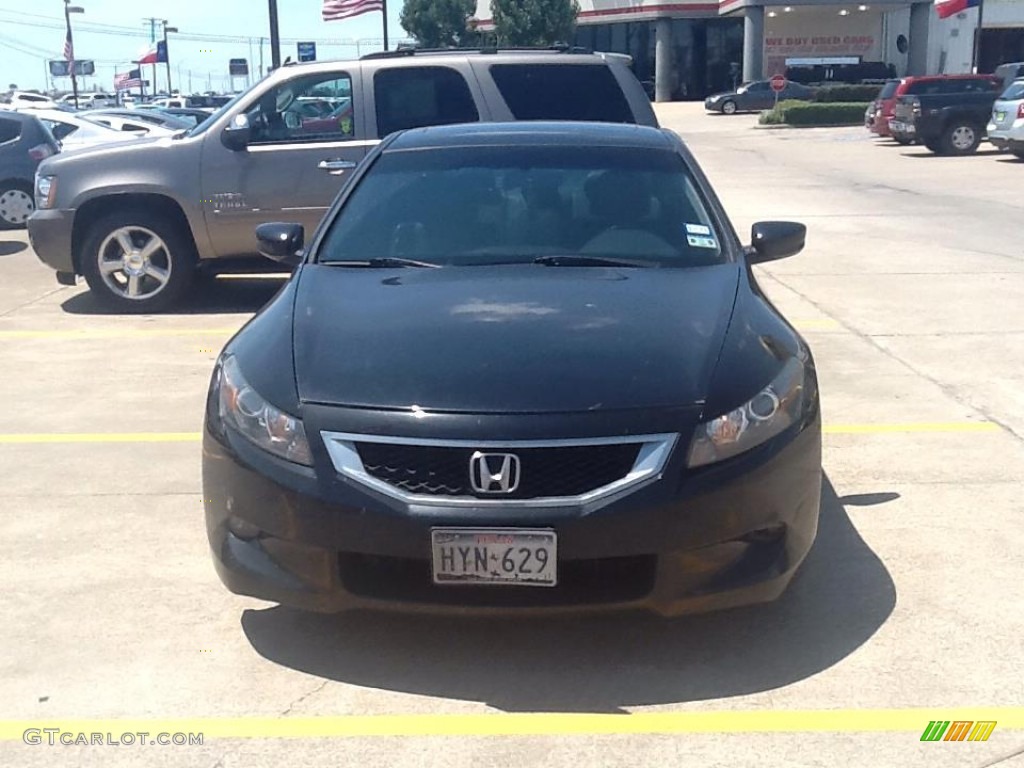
x=137, y=221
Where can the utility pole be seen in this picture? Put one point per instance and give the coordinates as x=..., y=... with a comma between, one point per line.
x=152, y=41
x=275, y=38
x=167, y=53
x=261, y=57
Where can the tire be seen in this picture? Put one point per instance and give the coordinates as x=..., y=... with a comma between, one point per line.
x=161, y=266
x=16, y=204
x=903, y=140
x=728, y=107
x=960, y=139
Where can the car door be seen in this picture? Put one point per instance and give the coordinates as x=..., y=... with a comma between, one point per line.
x=759, y=95
x=294, y=164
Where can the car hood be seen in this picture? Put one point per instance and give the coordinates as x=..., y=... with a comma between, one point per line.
x=525, y=338
x=132, y=150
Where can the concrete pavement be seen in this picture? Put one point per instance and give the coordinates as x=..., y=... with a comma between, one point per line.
x=910, y=293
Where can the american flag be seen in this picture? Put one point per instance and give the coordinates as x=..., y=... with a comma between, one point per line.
x=335, y=10
x=69, y=49
x=125, y=80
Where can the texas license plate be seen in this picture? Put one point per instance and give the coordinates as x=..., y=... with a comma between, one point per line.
x=896, y=125
x=504, y=556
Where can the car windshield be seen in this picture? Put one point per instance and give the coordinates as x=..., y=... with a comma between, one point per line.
x=489, y=205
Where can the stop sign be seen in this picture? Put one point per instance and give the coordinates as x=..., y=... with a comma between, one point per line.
x=778, y=83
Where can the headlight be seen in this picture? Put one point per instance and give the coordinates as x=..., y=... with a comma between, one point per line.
x=241, y=407
x=761, y=418
x=46, y=191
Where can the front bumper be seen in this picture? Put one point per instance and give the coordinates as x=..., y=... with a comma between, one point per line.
x=728, y=535
x=49, y=232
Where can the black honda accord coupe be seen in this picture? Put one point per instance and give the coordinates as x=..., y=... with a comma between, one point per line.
x=518, y=367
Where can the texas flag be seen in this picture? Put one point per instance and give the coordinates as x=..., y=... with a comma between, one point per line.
x=155, y=54
x=947, y=8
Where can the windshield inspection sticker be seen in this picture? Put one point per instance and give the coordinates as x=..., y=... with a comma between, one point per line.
x=697, y=229
x=701, y=242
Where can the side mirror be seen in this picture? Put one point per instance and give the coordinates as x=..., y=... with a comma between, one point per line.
x=771, y=240
x=281, y=242
x=238, y=134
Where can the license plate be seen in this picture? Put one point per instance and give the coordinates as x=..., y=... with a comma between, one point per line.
x=503, y=556
x=1000, y=116
x=897, y=126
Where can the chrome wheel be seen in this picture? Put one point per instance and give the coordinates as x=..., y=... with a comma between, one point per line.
x=729, y=108
x=16, y=205
x=134, y=263
x=962, y=137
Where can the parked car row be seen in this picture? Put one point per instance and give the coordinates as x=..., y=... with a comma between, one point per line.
x=952, y=114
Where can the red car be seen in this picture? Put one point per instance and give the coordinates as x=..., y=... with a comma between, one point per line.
x=880, y=112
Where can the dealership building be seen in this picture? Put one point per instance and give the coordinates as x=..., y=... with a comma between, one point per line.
x=691, y=49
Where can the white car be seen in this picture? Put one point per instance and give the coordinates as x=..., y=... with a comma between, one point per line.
x=24, y=100
x=74, y=132
x=1006, y=128
x=138, y=127
x=88, y=100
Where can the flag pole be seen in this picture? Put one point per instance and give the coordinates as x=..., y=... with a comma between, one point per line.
x=976, y=52
x=384, y=11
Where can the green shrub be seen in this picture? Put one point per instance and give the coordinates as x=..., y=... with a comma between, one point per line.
x=846, y=93
x=804, y=113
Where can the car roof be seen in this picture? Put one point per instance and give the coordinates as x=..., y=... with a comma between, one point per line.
x=552, y=55
x=535, y=133
x=23, y=117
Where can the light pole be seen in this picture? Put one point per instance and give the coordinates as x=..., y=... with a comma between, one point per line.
x=167, y=54
x=69, y=47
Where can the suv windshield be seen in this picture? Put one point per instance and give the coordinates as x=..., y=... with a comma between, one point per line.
x=490, y=205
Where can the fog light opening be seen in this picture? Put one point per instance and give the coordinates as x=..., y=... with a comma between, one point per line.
x=243, y=529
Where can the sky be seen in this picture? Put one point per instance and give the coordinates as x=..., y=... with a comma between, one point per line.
x=114, y=32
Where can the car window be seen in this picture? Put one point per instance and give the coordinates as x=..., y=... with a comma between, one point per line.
x=488, y=205
x=10, y=130
x=761, y=85
x=977, y=86
x=60, y=131
x=284, y=115
x=888, y=90
x=1015, y=91
x=562, y=92
x=414, y=97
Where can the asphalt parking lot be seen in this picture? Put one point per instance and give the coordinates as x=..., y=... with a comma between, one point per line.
x=909, y=608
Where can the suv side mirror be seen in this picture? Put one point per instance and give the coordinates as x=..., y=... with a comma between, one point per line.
x=771, y=240
x=238, y=134
x=281, y=242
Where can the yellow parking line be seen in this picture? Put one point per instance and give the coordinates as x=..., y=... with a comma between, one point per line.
x=910, y=721
x=943, y=426
x=189, y=437
x=116, y=333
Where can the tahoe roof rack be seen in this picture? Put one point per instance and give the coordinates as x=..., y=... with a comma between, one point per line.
x=411, y=50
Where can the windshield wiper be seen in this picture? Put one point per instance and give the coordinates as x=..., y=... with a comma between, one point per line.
x=579, y=260
x=384, y=262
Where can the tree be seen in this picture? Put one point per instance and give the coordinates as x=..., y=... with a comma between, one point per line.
x=534, y=22
x=437, y=23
